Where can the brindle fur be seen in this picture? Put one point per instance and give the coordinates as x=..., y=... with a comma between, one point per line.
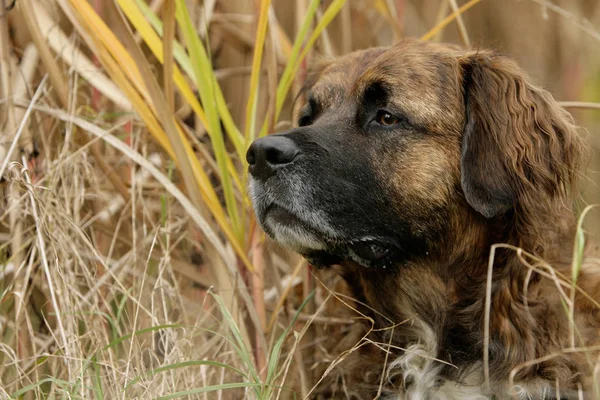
x=481, y=156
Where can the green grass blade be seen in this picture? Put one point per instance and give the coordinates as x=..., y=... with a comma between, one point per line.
x=97, y=380
x=243, y=353
x=139, y=332
x=287, y=76
x=206, y=83
x=39, y=383
x=276, y=352
x=184, y=364
x=152, y=40
x=295, y=61
x=157, y=25
x=579, y=245
x=331, y=12
x=224, y=386
x=578, y=254
x=233, y=133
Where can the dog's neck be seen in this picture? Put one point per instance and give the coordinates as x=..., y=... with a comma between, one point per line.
x=439, y=301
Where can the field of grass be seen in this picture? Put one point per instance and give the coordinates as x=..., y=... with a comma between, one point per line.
x=131, y=265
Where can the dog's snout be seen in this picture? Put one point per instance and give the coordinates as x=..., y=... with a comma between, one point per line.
x=268, y=153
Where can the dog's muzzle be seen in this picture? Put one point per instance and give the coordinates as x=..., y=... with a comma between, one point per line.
x=291, y=190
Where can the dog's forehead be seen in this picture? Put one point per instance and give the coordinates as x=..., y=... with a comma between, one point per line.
x=423, y=78
x=332, y=80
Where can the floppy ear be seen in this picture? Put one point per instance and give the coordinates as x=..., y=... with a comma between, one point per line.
x=518, y=145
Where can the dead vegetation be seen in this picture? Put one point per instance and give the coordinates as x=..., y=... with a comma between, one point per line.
x=130, y=263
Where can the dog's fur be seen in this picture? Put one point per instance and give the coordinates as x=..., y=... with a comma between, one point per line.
x=408, y=205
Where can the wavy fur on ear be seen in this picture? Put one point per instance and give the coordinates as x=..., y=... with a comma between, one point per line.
x=521, y=151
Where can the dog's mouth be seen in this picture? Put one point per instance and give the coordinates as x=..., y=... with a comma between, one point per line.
x=322, y=249
x=368, y=252
x=371, y=250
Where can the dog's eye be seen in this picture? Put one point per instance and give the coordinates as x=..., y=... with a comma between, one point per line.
x=386, y=118
x=305, y=120
x=307, y=114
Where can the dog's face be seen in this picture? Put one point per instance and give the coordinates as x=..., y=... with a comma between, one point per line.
x=392, y=144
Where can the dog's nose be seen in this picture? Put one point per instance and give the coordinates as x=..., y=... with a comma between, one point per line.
x=268, y=153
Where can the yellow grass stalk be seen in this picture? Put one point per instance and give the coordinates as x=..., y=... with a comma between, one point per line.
x=299, y=52
x=71, y=54
x=461, y=24
x=383, y=7
x=155, y=45
x=226, y=167
x=261, y=33
x=184, y=61
x=168, y=67
x=431, y=34
x=176, y=136
x=123, y=70
x=206, y=82
x=188, y=164
x=59, y=84
x=580, y=104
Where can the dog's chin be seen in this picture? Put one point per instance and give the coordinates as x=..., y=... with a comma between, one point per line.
x=323, y=250
x=291, y=231
x=294, y=237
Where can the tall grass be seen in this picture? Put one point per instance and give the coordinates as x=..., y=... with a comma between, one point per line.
x=131, y=263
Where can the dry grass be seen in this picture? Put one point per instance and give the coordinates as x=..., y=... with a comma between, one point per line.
x=130, y=263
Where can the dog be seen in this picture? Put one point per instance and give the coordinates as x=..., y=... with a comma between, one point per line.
x=441, y=184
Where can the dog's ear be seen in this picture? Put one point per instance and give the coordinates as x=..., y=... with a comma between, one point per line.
x=518, y=145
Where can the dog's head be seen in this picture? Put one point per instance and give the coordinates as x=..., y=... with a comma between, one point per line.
x=394, y=144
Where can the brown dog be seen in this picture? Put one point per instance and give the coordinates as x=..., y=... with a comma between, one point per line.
x=410, y=162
